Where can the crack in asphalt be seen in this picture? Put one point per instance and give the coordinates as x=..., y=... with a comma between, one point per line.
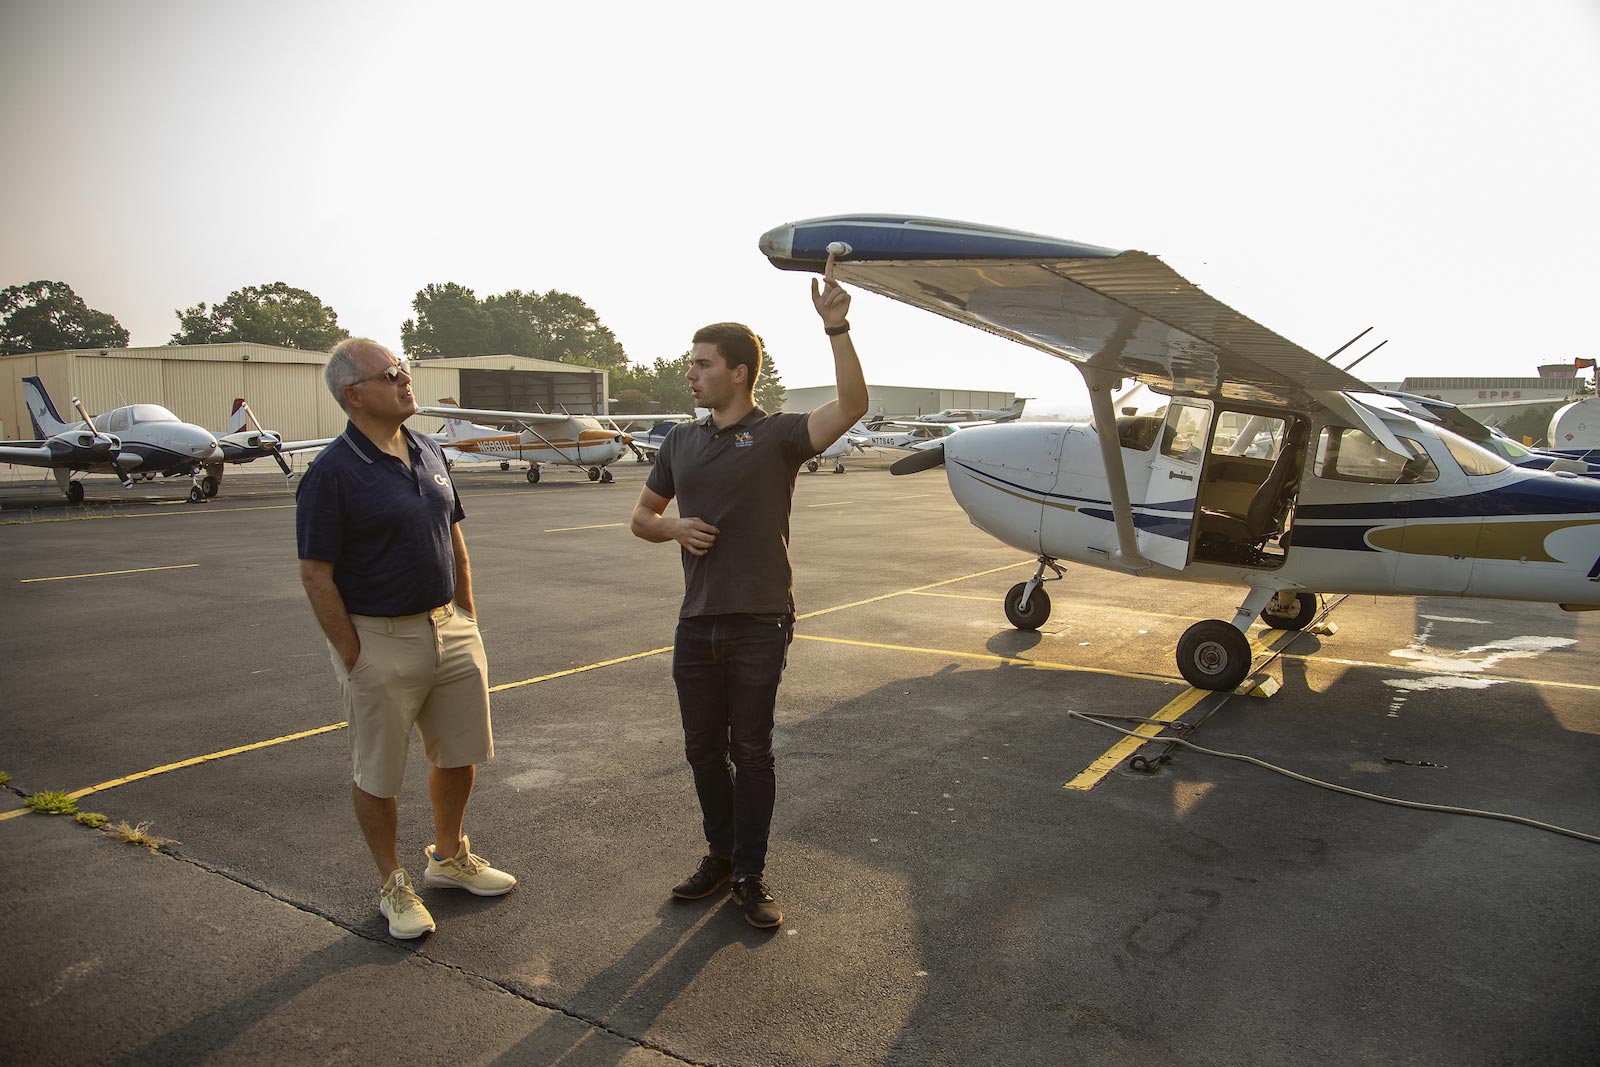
x=576, y=1016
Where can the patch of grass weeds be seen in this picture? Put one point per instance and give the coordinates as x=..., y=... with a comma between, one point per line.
x=4, y=777
x=139, y=835
x=52, y=802
x=92, y=819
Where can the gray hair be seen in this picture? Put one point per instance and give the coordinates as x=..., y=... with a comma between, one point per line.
x=342, y=370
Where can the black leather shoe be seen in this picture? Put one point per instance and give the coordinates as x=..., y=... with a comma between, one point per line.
x=760, y=910
x=712, y=874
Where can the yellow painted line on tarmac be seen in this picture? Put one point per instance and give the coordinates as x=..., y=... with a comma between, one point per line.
x=918, y=589
x=958, y=596
x=495, y=689
x=148, y=514
x=152, y=772
x=991, y=658
x=597, y=526
x=579, y=670
x=1541, y=682
x=831, y=504
x=1091, y=775
x=107, y=574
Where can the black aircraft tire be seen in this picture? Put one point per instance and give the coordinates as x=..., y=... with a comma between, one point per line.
x=533, y=476
x=1213, y=655
x=196, y=494
x=209, y=486
x=606, y=477
x=74, y=493
x=812, y=465
x=594, y=474
x=1038, y=607
x=1305, y=610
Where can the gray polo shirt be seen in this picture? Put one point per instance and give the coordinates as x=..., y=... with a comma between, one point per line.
x=740, y=479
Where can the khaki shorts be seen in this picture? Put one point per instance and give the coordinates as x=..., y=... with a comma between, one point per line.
x=427, y=671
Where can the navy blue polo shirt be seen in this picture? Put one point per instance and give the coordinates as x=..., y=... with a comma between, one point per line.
x=740, y=479
x=384, y=526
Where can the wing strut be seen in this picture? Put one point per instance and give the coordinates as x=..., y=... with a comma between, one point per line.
x=1101, y=385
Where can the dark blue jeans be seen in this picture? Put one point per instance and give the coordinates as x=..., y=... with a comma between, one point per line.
x=727, y=669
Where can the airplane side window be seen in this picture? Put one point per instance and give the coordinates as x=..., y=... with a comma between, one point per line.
x=118, y=423
x=1242, y=434
x=1345, y=454
x=1185, y=434
x=1138, y=432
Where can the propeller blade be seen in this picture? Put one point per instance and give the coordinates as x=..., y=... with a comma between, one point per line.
x=122, y=475
x=926, y=459
x=283, y=464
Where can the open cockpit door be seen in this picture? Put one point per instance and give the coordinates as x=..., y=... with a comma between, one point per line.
x=1164, y=519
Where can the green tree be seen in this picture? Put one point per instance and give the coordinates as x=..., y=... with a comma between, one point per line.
x=273, y=314
x=770, y=393
x=45, y=316
x=556, y=326
x=450, y=321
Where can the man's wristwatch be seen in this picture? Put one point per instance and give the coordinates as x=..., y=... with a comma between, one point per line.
x=835, y=331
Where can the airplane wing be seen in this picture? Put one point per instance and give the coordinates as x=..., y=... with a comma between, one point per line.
x=1123, y=312
x=26, y=454
x=648, y=418
x=493, y=418
x=302, y=446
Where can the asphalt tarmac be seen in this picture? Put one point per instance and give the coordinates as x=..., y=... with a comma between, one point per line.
x=970, y=875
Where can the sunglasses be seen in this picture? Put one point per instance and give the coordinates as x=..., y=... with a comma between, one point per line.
x=391, y=374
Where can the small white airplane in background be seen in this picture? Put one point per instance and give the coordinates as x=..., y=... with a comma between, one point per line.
x=1257, y=465
x=244, y=441
x=538, y=438
x=972, y=416
x=913, y=438
x=644, y=443
x=136, y=441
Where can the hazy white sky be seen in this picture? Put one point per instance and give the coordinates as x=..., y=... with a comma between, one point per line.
x=1427, y=167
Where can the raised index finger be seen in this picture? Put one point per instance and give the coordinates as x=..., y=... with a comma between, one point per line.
x=827, y=272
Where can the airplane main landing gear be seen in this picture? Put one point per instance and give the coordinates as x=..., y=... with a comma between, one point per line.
x=74, y=492
x=1027, y=604
x=1290, y=611
x=594, y=474
x=209, y=486
x=812, y=465
x=1213, y=655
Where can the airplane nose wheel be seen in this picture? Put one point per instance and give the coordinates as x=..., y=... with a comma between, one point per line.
x=606, y=477
x=533, y=476
x=1213, y=655
x=812, y=465
x=1034, y=615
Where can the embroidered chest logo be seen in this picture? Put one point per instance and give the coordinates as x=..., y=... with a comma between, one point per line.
x=441, y=479
x=743, y=439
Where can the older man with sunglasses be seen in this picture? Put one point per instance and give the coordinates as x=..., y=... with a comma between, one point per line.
x=385, y=567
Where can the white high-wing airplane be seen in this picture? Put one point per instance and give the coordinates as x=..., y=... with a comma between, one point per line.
x=914, y=438
x=244, y=441
x=538, y=438
x=973, y=416
x=134, y=441
x=1261, y=465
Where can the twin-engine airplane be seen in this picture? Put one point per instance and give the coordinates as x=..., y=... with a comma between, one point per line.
x=535, y=437
x=135, y=441
x=244, y=441
x=1257, y=463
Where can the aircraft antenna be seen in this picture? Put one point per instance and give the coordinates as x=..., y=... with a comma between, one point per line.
x=1347, y=344
x=1365, y=354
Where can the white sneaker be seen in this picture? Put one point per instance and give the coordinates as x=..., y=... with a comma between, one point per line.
x=466, y=871
x=408, y=916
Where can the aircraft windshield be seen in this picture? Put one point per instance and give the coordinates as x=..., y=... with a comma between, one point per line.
x=152, y=413
x=1474, y=459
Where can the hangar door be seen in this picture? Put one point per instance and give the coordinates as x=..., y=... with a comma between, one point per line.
x=521, y=390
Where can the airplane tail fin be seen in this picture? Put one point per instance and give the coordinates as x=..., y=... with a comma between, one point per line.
x=238, y=419
x=47, y=421
x=1018, y=404
x=455, y=429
